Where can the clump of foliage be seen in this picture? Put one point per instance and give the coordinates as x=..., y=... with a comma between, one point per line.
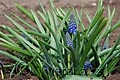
x=54, y=48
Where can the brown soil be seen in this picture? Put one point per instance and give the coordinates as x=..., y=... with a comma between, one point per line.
x=88, y=6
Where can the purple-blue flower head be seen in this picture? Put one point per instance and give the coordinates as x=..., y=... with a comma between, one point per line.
x=87, y=65
x=69, y=40
x=72, y=25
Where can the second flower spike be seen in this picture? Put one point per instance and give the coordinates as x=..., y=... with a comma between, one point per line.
x=69, y=40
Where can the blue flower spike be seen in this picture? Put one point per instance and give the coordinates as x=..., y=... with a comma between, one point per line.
x=87, y=67
x=69, y=40
x=72, y=25
x=106, y=43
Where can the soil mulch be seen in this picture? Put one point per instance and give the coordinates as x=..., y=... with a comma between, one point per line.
x=89, y=6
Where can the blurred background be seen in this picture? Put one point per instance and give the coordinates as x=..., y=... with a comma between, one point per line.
x=89, y=6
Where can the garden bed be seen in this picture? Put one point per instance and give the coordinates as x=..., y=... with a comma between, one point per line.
x=59, y=3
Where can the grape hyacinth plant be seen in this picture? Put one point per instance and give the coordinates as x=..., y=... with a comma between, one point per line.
x=50, y=53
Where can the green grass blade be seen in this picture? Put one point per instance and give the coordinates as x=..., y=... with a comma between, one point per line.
x=25, y=11
x=77, y=44
x=107, y=28
x=91, y=40
x=77, y=77
x=12, y=57
x=5, y=41
x=88, y=17
x=58, y=46
x=95, y=19
x=64, y=19
x=109, y=60
x=104, y=52
x=101, y=66
x=74, y=60
x=41, y=41
x=96, y=57
x=51, y=20
x=40, y=27
x=18, y=49
x=52, y=4
x=22, y=29
x=37, y=34
x=55, y=18
x=42, y=7
x=47, y=55
x=114, y=27
x=7, y=38
x=19, y=38
x=96, y=26
x=53, y=27
x=27, y=24
x=60, y=13
x=42, y=16
x=112, y=64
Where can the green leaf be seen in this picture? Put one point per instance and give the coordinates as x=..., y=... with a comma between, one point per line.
x=77, y=77
x=23, y=30
x=90, y=42
x=52, y=5
x=20, y=38
x=88, y=17
x=63, y=21
x=7, y=38
x=43, y=9
x=25, y=11
x=39, y=25
x=27, y=24
x=12, y=57
x=112, y=64
x=115, y=26
x=47, y=55
x=18, y=49
x=80, y=19
x=108, y=57
x=95, y=19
